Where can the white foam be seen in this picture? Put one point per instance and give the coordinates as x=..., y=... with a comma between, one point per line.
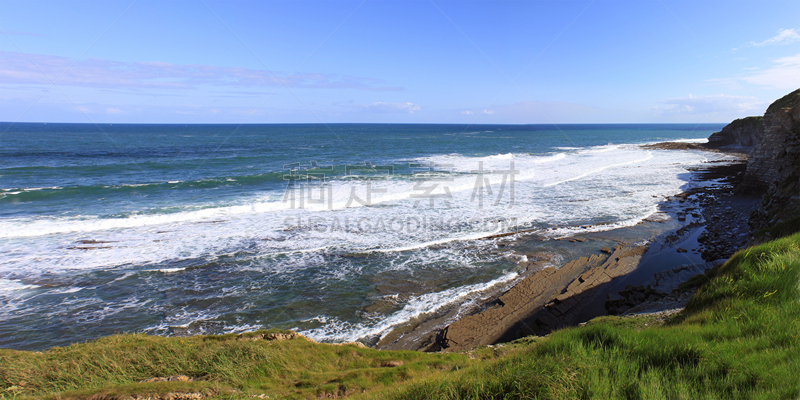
x=617, y=185
x=67, y=290
x=507, y=156
x=437, y=242
x=648, y=156
x=701, y=140
x=35, y=189
x=602, y=188
x=339, y=331
x=319, y=318
x=13, y=285
x=169, y=270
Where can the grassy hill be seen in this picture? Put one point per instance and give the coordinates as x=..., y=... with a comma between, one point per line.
x=737, y=338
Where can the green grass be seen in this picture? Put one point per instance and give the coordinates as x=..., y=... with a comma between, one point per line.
x=736, y=339
x=786, y=102
x=226, y=366
x=746, y=122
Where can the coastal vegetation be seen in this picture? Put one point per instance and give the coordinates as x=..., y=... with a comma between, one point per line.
x=736, y=338
x=276, y=364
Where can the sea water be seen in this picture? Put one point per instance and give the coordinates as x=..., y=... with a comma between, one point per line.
x=341, y=231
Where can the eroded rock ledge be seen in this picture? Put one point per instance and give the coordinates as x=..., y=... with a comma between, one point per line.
x=548, y=299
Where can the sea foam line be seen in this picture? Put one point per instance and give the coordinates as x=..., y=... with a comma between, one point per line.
x=338, y=331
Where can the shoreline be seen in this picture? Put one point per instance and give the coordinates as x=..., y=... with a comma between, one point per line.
x=609, y=276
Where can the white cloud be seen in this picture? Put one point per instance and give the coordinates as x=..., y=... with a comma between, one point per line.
x=41, y=69
x=537, y=112
x=784, y=36
x=710, y=105
x=484, y=112
x=784, y=75
x=382, y=107
x=112, y=110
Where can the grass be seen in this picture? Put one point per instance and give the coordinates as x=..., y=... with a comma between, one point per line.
x=786, y=102
x=230, y=366
x=736, y=339
x=746, y=122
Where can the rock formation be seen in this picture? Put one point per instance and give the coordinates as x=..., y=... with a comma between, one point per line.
x=743, y=133
x=548, y=299
x=774, y=164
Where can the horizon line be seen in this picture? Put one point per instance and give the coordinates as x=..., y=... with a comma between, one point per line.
x=362, y=123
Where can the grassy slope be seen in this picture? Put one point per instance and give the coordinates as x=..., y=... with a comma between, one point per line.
x=737, y=338
x=226, y=366
x=788, y=101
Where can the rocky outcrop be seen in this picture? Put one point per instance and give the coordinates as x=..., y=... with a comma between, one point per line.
x=743, y=133
x=548, y=299
x=740, y=136
x=662, y=292
x=773, y=164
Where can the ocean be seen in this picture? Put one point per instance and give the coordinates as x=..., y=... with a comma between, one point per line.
x=340, y=232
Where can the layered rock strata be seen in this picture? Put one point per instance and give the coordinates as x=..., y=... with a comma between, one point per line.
x=545, y=300
x=774, y=164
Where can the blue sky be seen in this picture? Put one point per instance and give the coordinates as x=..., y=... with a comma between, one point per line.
x=205, y=61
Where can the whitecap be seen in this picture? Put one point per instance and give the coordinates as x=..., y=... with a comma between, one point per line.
x=418, y=306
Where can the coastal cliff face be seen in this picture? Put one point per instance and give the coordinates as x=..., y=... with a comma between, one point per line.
x=773, y=165
x=741, y=133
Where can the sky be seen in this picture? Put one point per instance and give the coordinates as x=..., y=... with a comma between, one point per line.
x=374, y=61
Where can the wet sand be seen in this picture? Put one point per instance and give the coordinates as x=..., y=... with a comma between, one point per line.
x=691, y=232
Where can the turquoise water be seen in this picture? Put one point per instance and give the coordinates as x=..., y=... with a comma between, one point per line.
x=339, y=231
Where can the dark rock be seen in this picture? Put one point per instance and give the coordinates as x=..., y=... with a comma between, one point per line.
x=741, y=133
x=772, y=165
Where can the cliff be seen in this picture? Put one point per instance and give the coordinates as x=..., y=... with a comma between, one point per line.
x=773, y=166
x=740, y=134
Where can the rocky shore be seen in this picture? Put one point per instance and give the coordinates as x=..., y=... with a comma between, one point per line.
x=629, y=270
x=640, y=269
x=545, y=300
x=624, y=274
